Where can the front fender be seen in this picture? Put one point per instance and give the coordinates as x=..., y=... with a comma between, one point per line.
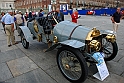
x=106, y=32
x=27, y=33
x=73, y=43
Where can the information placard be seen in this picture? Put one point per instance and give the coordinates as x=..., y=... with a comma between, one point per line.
x=101, y=66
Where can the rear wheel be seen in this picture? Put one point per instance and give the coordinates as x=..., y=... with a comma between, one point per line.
x=72, y=64
x=110, y=49
x=24, y=41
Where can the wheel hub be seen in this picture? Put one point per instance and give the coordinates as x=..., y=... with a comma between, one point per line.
x=69, y=65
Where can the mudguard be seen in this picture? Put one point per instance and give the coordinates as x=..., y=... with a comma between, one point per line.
x=73, y=43
x=27, y=33
x=106, y=32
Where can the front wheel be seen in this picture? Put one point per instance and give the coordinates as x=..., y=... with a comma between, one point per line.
x=24, y=41
x=110, y=49
x=72, y=64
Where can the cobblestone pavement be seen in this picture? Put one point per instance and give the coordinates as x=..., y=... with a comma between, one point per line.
x=19, y=65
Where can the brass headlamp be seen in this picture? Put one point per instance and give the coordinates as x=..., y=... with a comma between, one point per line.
x=111, y=38
x=93, y=33
x=95, y=45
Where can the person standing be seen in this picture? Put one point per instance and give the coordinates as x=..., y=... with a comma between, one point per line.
x=30, y=15
x=18, y=21
x=60, y=15
x=41, y=13
x=23, y=19
x=2, y=14
x=8, y=20
x=26, y=16
x=116, y=17
x=74, y=16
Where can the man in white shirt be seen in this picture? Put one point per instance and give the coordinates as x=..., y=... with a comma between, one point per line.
x=8, y=20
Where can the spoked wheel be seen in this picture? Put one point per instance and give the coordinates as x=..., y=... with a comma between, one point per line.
x=109, y=49
x=72, y=64
x=24, y=41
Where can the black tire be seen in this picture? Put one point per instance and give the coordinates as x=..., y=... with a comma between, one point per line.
x=110, y=50
x=24, y=41
x=75, y=67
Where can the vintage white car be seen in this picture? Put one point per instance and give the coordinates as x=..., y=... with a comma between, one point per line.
x=76, y=44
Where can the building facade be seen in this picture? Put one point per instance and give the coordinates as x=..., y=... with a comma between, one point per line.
x=38, y=4
x=96, y=3
x=6, y=4
x=31, y=4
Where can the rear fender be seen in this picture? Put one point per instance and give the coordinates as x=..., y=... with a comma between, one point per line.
x=27, y=33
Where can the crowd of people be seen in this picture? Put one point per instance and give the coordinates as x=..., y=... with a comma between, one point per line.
x=34, y=14
x=11, y=19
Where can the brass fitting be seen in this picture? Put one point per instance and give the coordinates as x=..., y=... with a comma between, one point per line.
x=55, y=40
x=111, y=38
x=95, y=45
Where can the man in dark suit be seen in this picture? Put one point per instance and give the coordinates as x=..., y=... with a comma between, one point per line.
x=60, y=15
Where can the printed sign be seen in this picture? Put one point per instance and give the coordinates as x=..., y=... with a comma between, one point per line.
x=64, y=7
x=101, y=66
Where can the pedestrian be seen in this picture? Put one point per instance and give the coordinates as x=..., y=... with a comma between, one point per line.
x=60, y=15
x=116, y=17
x=24, y=20
x=74, y=16
x=41, y=13
x=2, y=14
x=8, y=20
x=30, y=15
x=33, y=14
x=19, y=21
x=26, y=16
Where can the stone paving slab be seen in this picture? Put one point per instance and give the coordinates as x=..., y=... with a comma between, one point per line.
x=112, y=78
x=33, y=49
x=3, y=37
x=120, y=44
x=121, y=61
x=5, y=48
x=2, y=42
x=26, y=51
x=35, y=76
x=5, y=73
x=57, y=75
x=119, y=56
x=10, y=55
x=21, y=66
x=45, y=60
x=115, y=67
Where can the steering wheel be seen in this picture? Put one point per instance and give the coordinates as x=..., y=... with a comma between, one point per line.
x=53, y=15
